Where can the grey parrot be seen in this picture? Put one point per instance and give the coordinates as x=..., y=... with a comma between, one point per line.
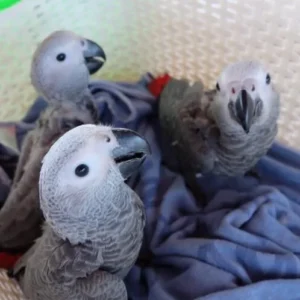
x=94, y=221
x=60, y=72
x=224, y=131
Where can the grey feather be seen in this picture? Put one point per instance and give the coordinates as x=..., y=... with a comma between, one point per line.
x=21, y=217
x=185, y=126
x=199, y=133
x=95, y=223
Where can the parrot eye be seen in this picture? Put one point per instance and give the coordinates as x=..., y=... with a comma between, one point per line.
x=107, y=139
x=218, y=86
x=61, y=57
x=81, y=170
x=268, y=79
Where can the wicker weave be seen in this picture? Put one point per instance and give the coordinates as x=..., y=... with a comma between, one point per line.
x=192, y=38
x=9, y=289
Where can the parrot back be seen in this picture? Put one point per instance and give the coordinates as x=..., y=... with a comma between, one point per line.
x=186, y=130
x=169, y=101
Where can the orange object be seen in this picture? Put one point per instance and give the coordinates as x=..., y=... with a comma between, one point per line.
x=157, y=85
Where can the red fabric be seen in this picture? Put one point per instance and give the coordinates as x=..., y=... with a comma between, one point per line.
x=157, y=84
x=7, y=261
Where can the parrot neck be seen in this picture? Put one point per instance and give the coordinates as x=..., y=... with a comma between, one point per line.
x=69, y=96
x=88, y=221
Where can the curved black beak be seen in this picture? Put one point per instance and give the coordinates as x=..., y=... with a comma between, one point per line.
x=245, y=108
x=131, y=152
x=94, y=56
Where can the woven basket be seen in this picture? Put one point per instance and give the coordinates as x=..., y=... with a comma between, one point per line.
x=9, y=289
x=191, y=38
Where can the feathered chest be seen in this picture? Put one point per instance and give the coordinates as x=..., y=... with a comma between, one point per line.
x=238, y=153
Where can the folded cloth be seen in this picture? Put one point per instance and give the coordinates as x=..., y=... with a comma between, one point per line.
x=244, y=244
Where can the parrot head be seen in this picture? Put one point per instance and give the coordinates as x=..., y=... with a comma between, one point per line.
x=82, y=177
x=62, y=64
x=245, y=95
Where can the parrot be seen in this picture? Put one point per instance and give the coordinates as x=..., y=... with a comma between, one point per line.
x=222, y=131
x=94, y=221
x=60, y=71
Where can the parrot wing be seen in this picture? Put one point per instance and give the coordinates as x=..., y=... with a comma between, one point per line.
x=24, y=156
x=101, y=285
x=188, y=132
x=21, y=217
x=19, y=268
x=187, y=128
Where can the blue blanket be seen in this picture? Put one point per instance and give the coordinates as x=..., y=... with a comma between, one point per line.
x=244, y=244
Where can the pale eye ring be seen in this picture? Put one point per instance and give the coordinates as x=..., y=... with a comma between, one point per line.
x=81, y=170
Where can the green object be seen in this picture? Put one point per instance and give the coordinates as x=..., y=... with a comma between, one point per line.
x=7, y=3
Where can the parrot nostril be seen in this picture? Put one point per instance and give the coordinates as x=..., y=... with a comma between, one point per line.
x=253, y=88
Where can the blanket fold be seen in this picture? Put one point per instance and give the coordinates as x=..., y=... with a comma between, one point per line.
x=244, y=244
